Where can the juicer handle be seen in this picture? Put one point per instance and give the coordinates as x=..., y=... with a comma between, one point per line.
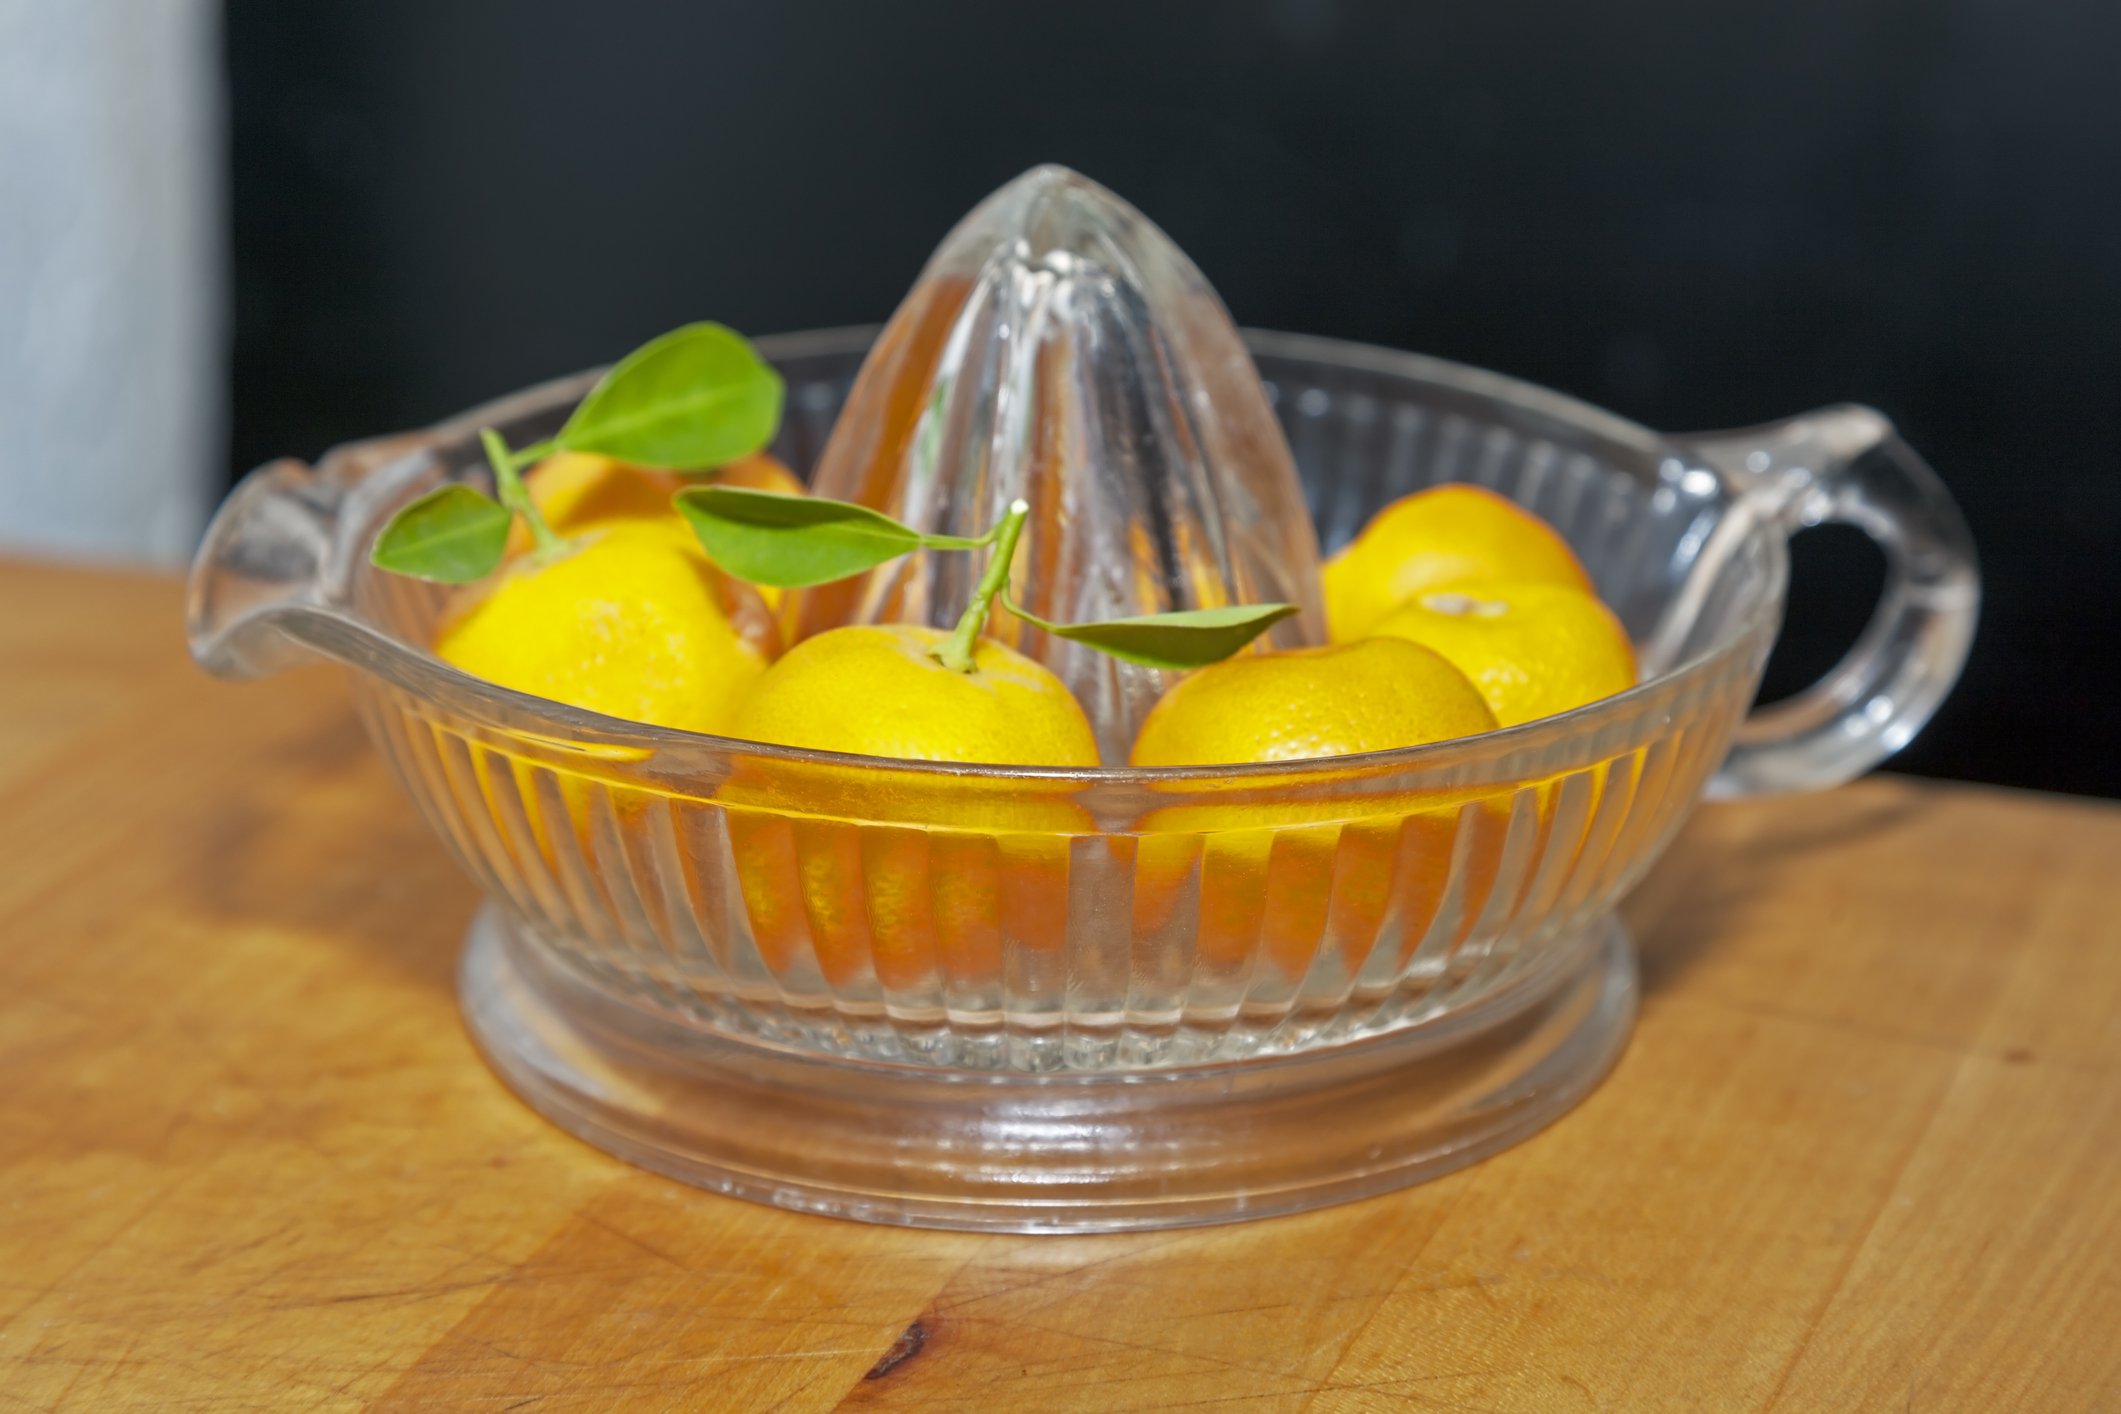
x=1846, y=465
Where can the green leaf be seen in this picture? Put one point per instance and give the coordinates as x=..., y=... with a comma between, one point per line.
x=451, y=535
x=795, y=541
x=1190, y=638
x=696, y=397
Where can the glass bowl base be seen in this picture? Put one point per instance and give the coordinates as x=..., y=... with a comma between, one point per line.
x=1069, y=1151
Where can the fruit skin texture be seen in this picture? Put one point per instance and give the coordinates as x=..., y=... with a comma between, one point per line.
x=1532, y=649
x=877, y=690
x=1338, y=700
x=1435, y=537
x=761, y=471
x=1283, y=878
x=899, y=875
x=578, y=490
x=631, y=624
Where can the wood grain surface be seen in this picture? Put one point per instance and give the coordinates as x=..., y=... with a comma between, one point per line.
x=1864, y=1151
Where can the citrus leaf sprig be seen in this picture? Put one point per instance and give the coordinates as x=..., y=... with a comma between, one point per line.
x=451, y=535
x=793, y=542
x=696, y=397
x=1183, y=638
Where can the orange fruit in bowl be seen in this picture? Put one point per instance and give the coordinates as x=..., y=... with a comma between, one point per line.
x=1338, y=700
x=761, y=471
x=576, y=490
x=904, y=875
x=1533, y=649
x=878, y=690
x=635, y=622
x=1279, y=878
x=1435, y=537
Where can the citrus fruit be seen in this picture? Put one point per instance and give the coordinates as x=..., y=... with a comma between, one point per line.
x=905, y=876
x=579, y=490
x=1532, y=649
x=1338, y=700
x=576, y=490
x=1278, y=879
x=635, y=622
x=1280, y=883
x=955, y=870
x=761, y=471
x=877, y=690
x=1439, y=536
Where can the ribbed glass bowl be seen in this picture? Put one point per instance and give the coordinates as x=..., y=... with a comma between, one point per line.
x=690, y=933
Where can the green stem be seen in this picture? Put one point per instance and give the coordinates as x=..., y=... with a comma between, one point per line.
x=956, y=655
x=508, y=481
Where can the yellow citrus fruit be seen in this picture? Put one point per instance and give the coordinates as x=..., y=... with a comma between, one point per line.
x=1281, y=883
x=576, y=490
x=823, y=878
x=1333, y=701
x=634, y=623
x=761, y=471
x=1439, y=536
x=1532, y=649
x=877, y=690
x=904, y=877
x=1278, y=878
x=579, y=490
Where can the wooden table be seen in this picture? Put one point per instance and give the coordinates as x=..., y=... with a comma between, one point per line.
x=1864, y=1151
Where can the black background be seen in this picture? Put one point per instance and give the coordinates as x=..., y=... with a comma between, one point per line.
x=1700, y=215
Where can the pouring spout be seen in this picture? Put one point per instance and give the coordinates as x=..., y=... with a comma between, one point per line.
x=267, y=553
x=284, y=545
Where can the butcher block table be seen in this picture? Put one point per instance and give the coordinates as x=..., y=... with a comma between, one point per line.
x=1863, y=1152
